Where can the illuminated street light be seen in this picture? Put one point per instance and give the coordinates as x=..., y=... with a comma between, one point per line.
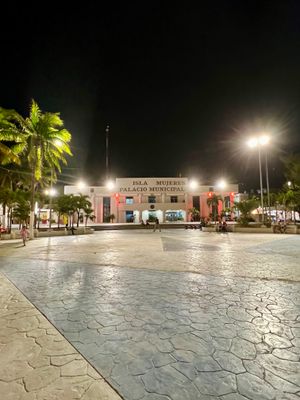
x=81, y=184
x=289, y=183
x=110, y=185
x=50, y=192
x=193, y=184
x=258, y=142
x=221, y=184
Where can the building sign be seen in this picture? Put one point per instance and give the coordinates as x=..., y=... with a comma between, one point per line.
x=151, y=185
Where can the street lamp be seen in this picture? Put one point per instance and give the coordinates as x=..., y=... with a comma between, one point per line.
x=221, y=184
x=258, y=142
x=193, y=184
x=110, y=185
x=81, y=185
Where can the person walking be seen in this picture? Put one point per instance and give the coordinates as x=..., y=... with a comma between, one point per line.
x=24, y=234
x=156, y=225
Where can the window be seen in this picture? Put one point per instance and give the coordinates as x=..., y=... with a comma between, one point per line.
x=196, y=202
x=227, y=201
x=129, y=216
x=129, y=200
x=151, y=199
x=174, y=199
x=176, y=215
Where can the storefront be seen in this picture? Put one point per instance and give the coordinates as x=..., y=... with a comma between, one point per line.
x=133, y=200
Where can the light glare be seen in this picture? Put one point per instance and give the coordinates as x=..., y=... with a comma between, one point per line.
x=110, y=185
x=252, y=142
x=81, y=184
x=193, y=184
x=264, y=140
x=221, y=184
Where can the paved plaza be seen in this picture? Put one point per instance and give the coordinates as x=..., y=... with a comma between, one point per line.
x=171, y=315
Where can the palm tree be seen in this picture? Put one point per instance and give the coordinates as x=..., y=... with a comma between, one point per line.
x=213, y=202
x=88, y=214
x=46, y=146
x=13, y=140
x=81, y=202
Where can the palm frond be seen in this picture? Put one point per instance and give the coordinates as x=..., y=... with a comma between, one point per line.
x=35, y=113
x=8, y=155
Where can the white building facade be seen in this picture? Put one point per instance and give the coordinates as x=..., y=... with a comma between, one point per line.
x=134, y=200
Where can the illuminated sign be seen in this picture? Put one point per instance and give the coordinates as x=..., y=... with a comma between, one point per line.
x=152, y=185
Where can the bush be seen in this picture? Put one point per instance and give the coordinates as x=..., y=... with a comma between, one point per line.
x=245, y=220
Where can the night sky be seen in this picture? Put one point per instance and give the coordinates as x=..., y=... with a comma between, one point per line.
x=181, y=86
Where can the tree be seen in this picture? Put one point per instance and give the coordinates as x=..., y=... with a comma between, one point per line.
x=195, y=213
x=88, y=214
x=21, y=209
x=7, y=199
x=81, y=202
x=245, y=207
x=289, y=200
x=292, y=169
x=13, y=140
x=213, y=202
x=65, y=205
x=46, y=145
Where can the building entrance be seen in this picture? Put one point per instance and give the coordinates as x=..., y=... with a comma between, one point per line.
x=129, y=216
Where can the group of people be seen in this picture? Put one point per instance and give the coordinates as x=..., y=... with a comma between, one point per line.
x=280, y=227
x=155, y=226
x=222, y=227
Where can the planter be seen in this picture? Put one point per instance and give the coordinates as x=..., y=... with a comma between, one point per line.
x=209, y=228
x=247, y=229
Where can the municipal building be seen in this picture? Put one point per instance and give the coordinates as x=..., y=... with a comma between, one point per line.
x=136, y=200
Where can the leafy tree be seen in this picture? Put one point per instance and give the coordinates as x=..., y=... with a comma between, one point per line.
x=292, y=169
x=45, y=147
x=289, y=200
x=245, y=207
x=65, y=205
x=21, y=209
x=7, y=199
x=195, y=213
x=213, y=202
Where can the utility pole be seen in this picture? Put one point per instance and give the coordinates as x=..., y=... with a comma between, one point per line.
x=106, y=158
x=261, y=186
x=268, y=187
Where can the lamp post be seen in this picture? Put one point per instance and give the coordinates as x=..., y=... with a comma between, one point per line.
x=268, y=188
x=259, y=142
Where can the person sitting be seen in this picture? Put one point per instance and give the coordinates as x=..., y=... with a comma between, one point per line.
x=224, y=226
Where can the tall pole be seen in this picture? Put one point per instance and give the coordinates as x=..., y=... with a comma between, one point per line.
x=106, y=147
x=268, y=188
x=261, y=185
x=50, y=200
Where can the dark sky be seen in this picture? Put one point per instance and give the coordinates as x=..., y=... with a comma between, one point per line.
x=181, y=86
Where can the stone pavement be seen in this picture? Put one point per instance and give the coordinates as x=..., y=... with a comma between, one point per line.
x=231, y=331
x=36, y=361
